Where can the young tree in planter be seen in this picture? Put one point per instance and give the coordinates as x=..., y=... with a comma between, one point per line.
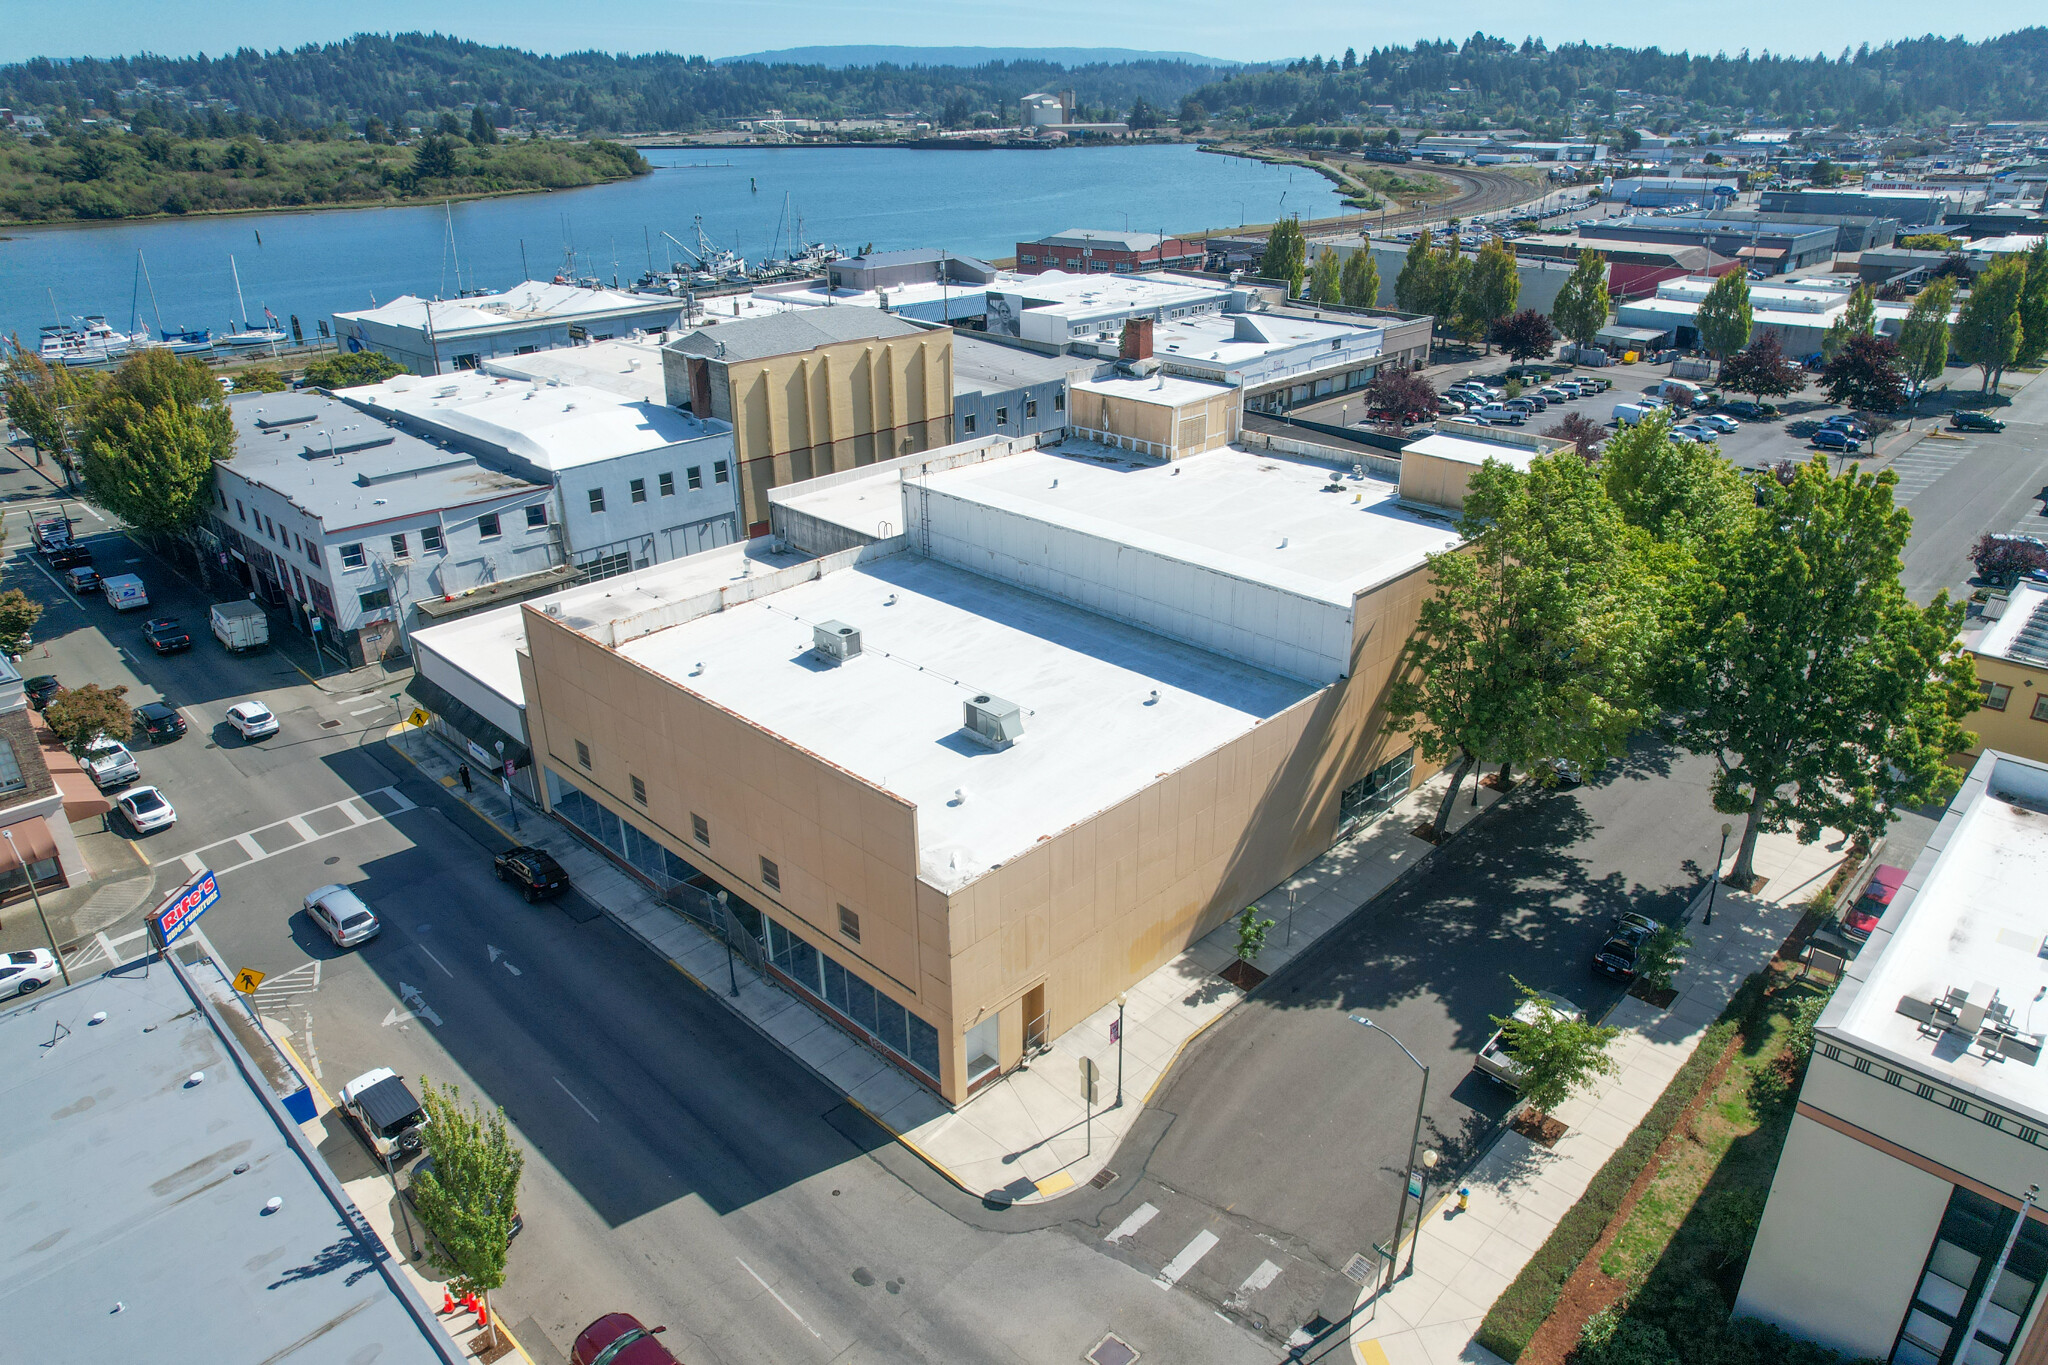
x=1556, y=1054
x=1865, y=374
x=1326, y=281
x=151, y=437
x=1580, y=309
x=1989, y=332
x=1761, y=370
x=1527, y=335
x=467, y=1200
x=1659, y=957
x=1923, y=337
x=18, y=616
x=1827, y=698
x=1252, y=928
x=1724, y=316
x=80, y=715
x=1286, y=255
x=1408, y=396
x=1360, y=284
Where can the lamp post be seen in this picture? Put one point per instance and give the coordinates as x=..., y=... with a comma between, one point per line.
x=725, y=932
x=29, y=873
x=1726, y=830
x=1121, y=997
x=1414, y=1141
x=1429, y=1161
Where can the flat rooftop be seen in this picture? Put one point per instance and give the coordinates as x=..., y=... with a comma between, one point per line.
x=1166, y=390
x=592, y=605
x=934, y=635
x=1968, y=918
x=1476, y=450
x=630, y=369
x=526, y=304
x=981, y=366
x=1232, y=339
x=2020, y=635
x=1259, y=516
x=1081, y=296
x=135, y=1225
x=549, y=423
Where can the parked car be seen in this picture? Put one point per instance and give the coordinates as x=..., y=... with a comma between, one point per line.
x=161, y=721
x=1694, y=431
x=1449, y=407
x=1862, y=917
x=165, y=635
x=1974, y=421
x=386, y=1116
x=109, y=764
x=252, y=720
x=342, y=916
x=1616, y=957
x=1747, y=411
x=1502, y=415
x=620, y=1339
x=533, y=870
x=82, y=580
x=147, y=810
x=1468, y=421
x=1717, y=422
x=1830, y=438
x=30, y=969
x=1553, y=393
x=41, y=688
x=1496, y=1061
x=1843, y=422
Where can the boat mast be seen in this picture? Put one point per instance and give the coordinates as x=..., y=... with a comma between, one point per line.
x=153, y=307
x=239, y=301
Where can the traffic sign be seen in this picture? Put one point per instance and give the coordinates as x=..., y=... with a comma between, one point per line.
x=247, y=980
x=183, y=907
x=1088, y=1079
x=418, y=717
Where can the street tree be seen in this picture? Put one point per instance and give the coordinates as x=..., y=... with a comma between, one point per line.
x=1326, y=281
x=1252, y=928
x=260, y=379
x=2034, y=307
x=1724, y=316
x=1555, y=1054
x=1989, y=331
x=1415, y=286
x=1827, y=698
x=47, y=404
x=1361, y=280
x=1286, y=255
x=18, y=616
x=1523, y=336
x=1923, y=337
x=1859, y=318
x=1585, y=434
x=1865, y=374
x=1659, y=956
x=351, y=370
x=1491, y=287
x=1403, y=394
x=152, y=434
x=1678, y=492
x=1580, y=309
x=2006, y=559
x=79, y=715
x=469, y=1196
x=1761, y=370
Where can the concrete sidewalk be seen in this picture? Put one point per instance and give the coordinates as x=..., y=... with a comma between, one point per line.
x=1029, y=1136
x=1519, y=1189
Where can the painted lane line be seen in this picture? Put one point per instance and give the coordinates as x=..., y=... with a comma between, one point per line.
x=594, y=1119
x=1203, y=1243
x=366, y=710
x=107, y=947
x=1142, y=1215
x=435, y=960
x=775, y=1296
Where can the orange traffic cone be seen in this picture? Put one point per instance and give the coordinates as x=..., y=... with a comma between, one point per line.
x=483, y=1317
x=468, y=1302
x=447, y=1301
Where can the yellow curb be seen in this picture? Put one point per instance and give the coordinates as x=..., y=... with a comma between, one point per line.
x=1174, y=1060
x=1055, y=1183
x=920, y=1153
x=138, y=852
x=299, y=1064
x=1371, y=1352
x=689, y=976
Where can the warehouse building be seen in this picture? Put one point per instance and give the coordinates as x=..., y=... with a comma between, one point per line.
x=435, y=336
x=1798, y=313
x=1914, y=209
x=1094, y=251
x=1773, y=247
x=1001, y=390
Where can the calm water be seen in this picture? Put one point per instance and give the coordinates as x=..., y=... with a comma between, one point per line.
x=312, y=264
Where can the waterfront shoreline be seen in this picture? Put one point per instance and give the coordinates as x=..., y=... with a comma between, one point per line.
x=423, y=202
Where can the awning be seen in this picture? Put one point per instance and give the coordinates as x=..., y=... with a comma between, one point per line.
x=1762, y=253
x=1631, y=335
x=31, y=840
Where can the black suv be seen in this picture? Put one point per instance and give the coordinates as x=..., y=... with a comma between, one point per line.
x=161, y=720
x=1617, y=956
x=166, y=636
x=41, y=688
x=1974, y=421
x=533, y=870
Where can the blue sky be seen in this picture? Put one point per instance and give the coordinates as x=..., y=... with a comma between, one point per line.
x=1225, y=28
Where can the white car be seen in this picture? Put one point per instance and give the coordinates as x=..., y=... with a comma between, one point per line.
x=1496, y=1061
x=252, y=720
x=342, y=916
x=147, y=809
x=28, y=970
x=1692, y=431
x=1717, y=421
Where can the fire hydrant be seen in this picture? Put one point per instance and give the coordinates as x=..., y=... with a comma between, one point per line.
x=1464, y=1199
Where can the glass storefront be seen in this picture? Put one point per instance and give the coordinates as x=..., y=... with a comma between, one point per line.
x=1958, y=1277
x=1375, y=794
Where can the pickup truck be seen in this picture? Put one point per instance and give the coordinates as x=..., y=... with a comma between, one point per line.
x=387, y=1116
x=109, y=764
x=240, y=626
x=1496, y=1061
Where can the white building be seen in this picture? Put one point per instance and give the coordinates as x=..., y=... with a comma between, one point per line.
x=434, y=336
x=1278, y=358
x=1923, y=1120
x=1059, y=309
x=1799, y=312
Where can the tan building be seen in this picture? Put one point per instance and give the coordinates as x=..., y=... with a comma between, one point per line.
x=2011, y=655
x=1035, y=722
x=815, y=391
x=1162, y=416
x=1437, y=469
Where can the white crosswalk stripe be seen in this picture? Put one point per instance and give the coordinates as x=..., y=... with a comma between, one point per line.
x=1144, y=1214
x=1253, y=1283
x=248, y=848
x=1920, y=468
x=1204, y=1242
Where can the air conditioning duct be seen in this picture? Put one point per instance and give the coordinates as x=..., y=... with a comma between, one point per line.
x=993, y=722
x=835, y=641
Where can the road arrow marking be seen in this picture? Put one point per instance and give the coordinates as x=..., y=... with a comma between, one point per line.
x=514, y=970
x=492, y=948
x=411, y=996
x=398, y=1016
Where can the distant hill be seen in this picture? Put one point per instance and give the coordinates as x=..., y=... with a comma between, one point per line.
x=838, y=58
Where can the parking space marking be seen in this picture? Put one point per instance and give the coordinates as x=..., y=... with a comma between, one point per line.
x=246, y=843
x=1204, y=1242
x=594, y=1119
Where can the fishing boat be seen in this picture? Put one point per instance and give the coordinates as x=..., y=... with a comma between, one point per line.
x=250, y=334
x=90, y=341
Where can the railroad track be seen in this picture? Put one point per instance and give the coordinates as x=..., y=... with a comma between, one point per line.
x=1479, y=192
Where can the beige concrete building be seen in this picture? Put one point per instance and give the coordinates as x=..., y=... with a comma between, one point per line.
x=1160, y=416
x=1437, y=469
x=813, y=391
x=2010, y=651
x=1894, y=1229
x=1034, y=722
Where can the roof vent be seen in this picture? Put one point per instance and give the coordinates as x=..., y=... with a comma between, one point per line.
x=835, y=641
x=993, y=722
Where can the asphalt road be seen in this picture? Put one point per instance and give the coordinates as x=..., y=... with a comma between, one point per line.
x=1959, y=488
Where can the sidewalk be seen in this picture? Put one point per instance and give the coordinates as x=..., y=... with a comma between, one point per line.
x=1023, y=1138
x=1520, y=1190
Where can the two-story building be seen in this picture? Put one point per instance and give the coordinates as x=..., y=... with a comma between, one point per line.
x=1098, y=251
x=435, y=336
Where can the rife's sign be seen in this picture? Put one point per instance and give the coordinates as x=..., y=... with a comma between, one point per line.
x=183, y=907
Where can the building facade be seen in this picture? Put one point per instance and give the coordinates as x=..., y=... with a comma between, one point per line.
x=1001, y=390
x=1095, y=251
x=436, y=336
x=2010, y=653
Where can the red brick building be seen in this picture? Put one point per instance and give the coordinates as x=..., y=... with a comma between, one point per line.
x=1084, y=251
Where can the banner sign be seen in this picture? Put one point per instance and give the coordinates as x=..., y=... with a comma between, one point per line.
x=183, y=907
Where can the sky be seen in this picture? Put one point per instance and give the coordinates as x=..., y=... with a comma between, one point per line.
x=1225, y=28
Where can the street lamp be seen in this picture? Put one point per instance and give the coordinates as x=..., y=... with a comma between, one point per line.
x=1414, y=1141
x=1121, y=997
x=1429, y=1161
x=1726, y=830
x=29, y=873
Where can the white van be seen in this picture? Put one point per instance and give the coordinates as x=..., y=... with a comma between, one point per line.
x=1673, y=390
x=124, y=592
x=1628, y=414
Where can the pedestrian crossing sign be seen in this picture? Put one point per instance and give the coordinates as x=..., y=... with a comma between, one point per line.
x=247, y=980
x=418, y=717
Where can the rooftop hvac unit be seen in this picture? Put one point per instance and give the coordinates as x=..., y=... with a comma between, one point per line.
x=835, y=641
x=993, y=721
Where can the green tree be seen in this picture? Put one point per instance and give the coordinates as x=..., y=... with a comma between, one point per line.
x=1415, y=286
x=1859, y=318
x=1286, y=255
x=1923, y=337
x=448, y=125
x=482, y=131
x=1761, y=369
x=18, y=616
x=1724, y=316
x=79, y=715
x=47, y=404
x=260, y=379
x=467, y=1200
x=1826, y=696
x=1326, y=281
x=1491, y=288
x=1252, y=928
x=151, y=437
x=1453, y=268
x=1989, y=332
x=1556, y=1054
x=351, y=370
x=2033, y=348
x=1580, y=309
x=1361, y=280
x=433, y=158
x=1679, y=492
x=1659, y=957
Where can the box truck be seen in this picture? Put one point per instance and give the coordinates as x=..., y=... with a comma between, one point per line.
x=240, y=626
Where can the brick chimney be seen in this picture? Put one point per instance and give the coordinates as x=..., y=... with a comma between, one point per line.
x=1137, y=341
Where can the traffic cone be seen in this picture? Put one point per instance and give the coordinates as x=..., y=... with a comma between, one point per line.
x=468, y=1302
x=447, y=1302
x=483, y=1317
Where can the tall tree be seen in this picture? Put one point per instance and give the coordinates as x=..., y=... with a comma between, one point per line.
x=1453, y=268
x=1865, y=374
x=1761, y=369
x=47, y=404
x=1527, y=335
x=1724, y=317
x=79, y=715
x=151, y=437
x=1415, y=286
x=467, y=1200
x=1491, y=287
x=1679, y=492
x=1286, y=255
x=1826, y=696
x=482, y=131
x=1989, y=332
x=1580, y=309
x=1326, y=282
x=1361, y=281
x=2034, y=307
x=18, y=616
x=1923, y=337
x=1859, y=318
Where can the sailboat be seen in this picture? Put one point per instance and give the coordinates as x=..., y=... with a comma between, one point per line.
x=92, y=341
x=251, y=334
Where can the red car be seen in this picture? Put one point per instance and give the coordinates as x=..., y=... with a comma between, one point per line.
x=1864, y=915
x=619, y=1339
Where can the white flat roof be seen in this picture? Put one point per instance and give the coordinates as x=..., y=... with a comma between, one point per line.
x=531, y=302
x=1075, y=295
x=1259, y=516
x=1968, y=918
x=2000, y=639
x=933, y=636
x=554, y=425
x=1470, y=450
x=590, y=605
x=1216, y=336
x=485, y=645
x=631, y=369
x=1164, y=389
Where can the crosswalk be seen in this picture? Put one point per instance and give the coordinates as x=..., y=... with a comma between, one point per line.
x=1266, y=1282
x=296, y=831
x=1920, y=468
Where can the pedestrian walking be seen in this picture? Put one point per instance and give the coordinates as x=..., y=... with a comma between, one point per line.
x=462, y=771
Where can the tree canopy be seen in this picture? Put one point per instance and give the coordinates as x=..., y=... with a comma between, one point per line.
x=1556, y=1054
x=1761, y=370
x=79, y=715
x=1526, y=335
x=1865, y=374
x=1490, y=288
x=1326, y=281
x=151, y=437
x=352, y=369
x=1580, y=308
x=1923, y=337
x=1990, y=332
x=1724, y=317
x=468, y=1197
x=1361, y=279
x=1286, y=255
